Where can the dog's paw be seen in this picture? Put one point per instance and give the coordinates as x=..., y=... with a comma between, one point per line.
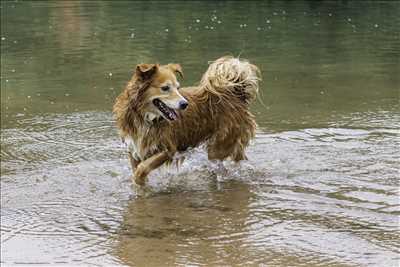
x=140, y=175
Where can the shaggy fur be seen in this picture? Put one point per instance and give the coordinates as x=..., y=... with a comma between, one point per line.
x=217, y=114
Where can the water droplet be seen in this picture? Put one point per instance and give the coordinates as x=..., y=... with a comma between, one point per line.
x=376, y=25
x=132, y=35
x=67, y=94
x=3, y=38
x=268, y=21
x=28, y=96
x=166, y=30
x=348, y=19
x=258, y=29
x=15, y=42
x=219, y=22
x=330, y=14
x=51, y=102
x=275, y=13
x=13, y=70
x=110, y=74
x=197, y=20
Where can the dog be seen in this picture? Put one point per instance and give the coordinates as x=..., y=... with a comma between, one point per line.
x=157, y=118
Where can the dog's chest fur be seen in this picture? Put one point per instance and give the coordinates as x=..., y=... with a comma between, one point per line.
x=142, y=145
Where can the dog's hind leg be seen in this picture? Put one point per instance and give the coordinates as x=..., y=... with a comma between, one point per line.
x=222, y=148
x=238, y=152
x=238, y=156
x=146, y=166
x=229, y=147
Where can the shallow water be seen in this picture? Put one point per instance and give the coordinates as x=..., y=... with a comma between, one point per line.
x=320, y=187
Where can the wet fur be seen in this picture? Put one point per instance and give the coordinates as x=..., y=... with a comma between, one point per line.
x=218, y=115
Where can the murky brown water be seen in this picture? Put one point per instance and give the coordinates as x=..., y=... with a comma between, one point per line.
x=320, y=188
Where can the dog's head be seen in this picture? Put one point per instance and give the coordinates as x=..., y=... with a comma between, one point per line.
x=158, y=91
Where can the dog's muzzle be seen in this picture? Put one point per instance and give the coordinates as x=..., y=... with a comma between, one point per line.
x=166, y=111
x=183, y=104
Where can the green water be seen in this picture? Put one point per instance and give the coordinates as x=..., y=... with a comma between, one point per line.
x=317, y=58
x=321, y=184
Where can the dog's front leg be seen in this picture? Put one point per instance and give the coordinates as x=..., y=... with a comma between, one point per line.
x=146, y=166
x=134, y=162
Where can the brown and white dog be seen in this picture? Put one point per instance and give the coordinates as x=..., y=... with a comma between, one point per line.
x=157, y=118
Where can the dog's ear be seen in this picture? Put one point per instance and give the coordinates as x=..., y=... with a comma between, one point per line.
x=176, y=68
x=146, y=71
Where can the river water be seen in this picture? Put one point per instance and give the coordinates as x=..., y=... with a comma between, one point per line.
x=320, y=188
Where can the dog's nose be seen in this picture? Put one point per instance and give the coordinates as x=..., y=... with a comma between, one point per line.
x=183, y=104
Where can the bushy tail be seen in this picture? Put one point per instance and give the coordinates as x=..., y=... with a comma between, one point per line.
x=229, y=76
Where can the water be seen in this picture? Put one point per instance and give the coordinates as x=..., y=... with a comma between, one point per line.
x=320, y=187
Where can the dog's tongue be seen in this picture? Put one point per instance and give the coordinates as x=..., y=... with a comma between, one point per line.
x=172, y=115
x=167, y=111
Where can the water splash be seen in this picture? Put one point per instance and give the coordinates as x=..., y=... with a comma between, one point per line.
x=192, y=171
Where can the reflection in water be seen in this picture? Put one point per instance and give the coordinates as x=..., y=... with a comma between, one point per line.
x=71, y=28
x=320, y=187
x=220, y=228
x=187, y=229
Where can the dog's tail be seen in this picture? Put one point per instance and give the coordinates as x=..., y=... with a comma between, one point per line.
x=229, y=76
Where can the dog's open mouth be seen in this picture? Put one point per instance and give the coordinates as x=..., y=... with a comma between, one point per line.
x=167, y=112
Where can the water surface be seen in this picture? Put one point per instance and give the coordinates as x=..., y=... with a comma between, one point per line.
x=320, y=187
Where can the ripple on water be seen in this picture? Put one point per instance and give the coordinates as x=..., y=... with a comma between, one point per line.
x=58, y=139
x=326, y=196
x=65, y=218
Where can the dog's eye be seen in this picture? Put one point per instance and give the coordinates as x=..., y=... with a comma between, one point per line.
x=165, y=88
x=178, y=88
